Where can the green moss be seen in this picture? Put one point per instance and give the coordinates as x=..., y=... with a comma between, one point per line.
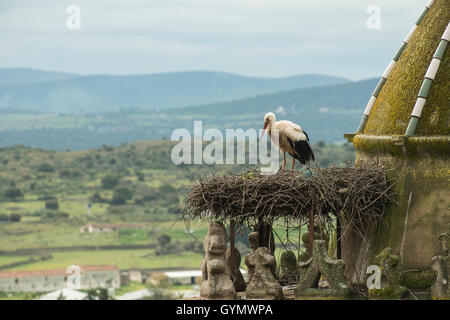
x=418, y=280
x=435, y=115
x=392, y=110
x=391, y=292
x=414, y=148
x=420, y=167
x=322, y=294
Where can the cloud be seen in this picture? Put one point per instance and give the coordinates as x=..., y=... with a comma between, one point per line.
x=260, y=37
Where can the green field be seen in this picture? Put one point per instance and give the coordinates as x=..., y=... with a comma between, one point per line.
x=123, y=259
x=44, y=196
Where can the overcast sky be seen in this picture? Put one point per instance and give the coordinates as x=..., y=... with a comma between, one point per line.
x=251, y=37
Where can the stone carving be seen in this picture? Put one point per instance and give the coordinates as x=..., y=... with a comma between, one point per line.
x=320, y=264
x=320, y=233
x=216, y=281
x=261, y=266
x=236, y=275
x=253, y=240
x=390, y=287
x=288, y=268
x=440, y=288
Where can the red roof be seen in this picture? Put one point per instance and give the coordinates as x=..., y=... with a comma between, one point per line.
x=56, y=272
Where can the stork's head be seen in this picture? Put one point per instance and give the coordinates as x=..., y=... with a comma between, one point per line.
x=269, y=119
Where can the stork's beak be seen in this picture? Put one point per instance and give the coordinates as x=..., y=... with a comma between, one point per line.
x=263, y=130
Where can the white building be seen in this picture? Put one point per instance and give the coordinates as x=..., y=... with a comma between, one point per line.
x=91, y=277
x=187, y=277
x=106, y=227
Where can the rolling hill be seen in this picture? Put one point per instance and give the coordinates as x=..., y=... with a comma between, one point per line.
x=27, y=89
x=324, y=112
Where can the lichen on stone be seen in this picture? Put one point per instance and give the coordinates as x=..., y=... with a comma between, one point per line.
x=391, y=112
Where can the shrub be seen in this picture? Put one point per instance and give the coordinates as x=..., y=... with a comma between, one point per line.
x=150, y=197
x=15, y=217
x=166, y=188
x=4, y=217
x=47, y=197
x=56, y=215
x=194, y=246
x=125, y=192
x=140, y=176
x=118, y=199
x=163, y=240
x=109, y=181
x=173, y=209
x=52, y=204
x=13, y=193
x=97, y=198
x=66, y=173
x=46, y=167
x=115, y=210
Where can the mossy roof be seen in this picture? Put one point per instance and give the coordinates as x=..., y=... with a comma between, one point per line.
x=392, y=110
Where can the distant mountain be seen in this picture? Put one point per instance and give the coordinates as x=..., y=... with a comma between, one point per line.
x=326, y=113
x=68, y=93
x=17, y=76
x=327, y=100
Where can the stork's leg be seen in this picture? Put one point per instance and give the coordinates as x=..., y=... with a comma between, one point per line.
x=284, y=162
x=293, y=164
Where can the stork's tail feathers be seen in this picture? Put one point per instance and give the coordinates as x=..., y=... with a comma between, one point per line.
x=303, y=151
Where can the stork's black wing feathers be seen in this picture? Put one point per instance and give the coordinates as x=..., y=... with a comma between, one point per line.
x=303, y=151
x=307, y=138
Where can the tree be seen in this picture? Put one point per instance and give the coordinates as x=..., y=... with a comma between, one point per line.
x=109, y=181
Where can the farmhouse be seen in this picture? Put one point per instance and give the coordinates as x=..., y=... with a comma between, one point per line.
x=182, y=277
x=91, y=277
x=95, y=228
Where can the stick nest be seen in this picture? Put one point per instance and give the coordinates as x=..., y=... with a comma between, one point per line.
x=359, y=194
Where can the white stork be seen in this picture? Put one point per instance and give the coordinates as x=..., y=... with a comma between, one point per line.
x=292, y=139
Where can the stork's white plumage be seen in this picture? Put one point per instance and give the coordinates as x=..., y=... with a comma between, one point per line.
x=291, y=139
